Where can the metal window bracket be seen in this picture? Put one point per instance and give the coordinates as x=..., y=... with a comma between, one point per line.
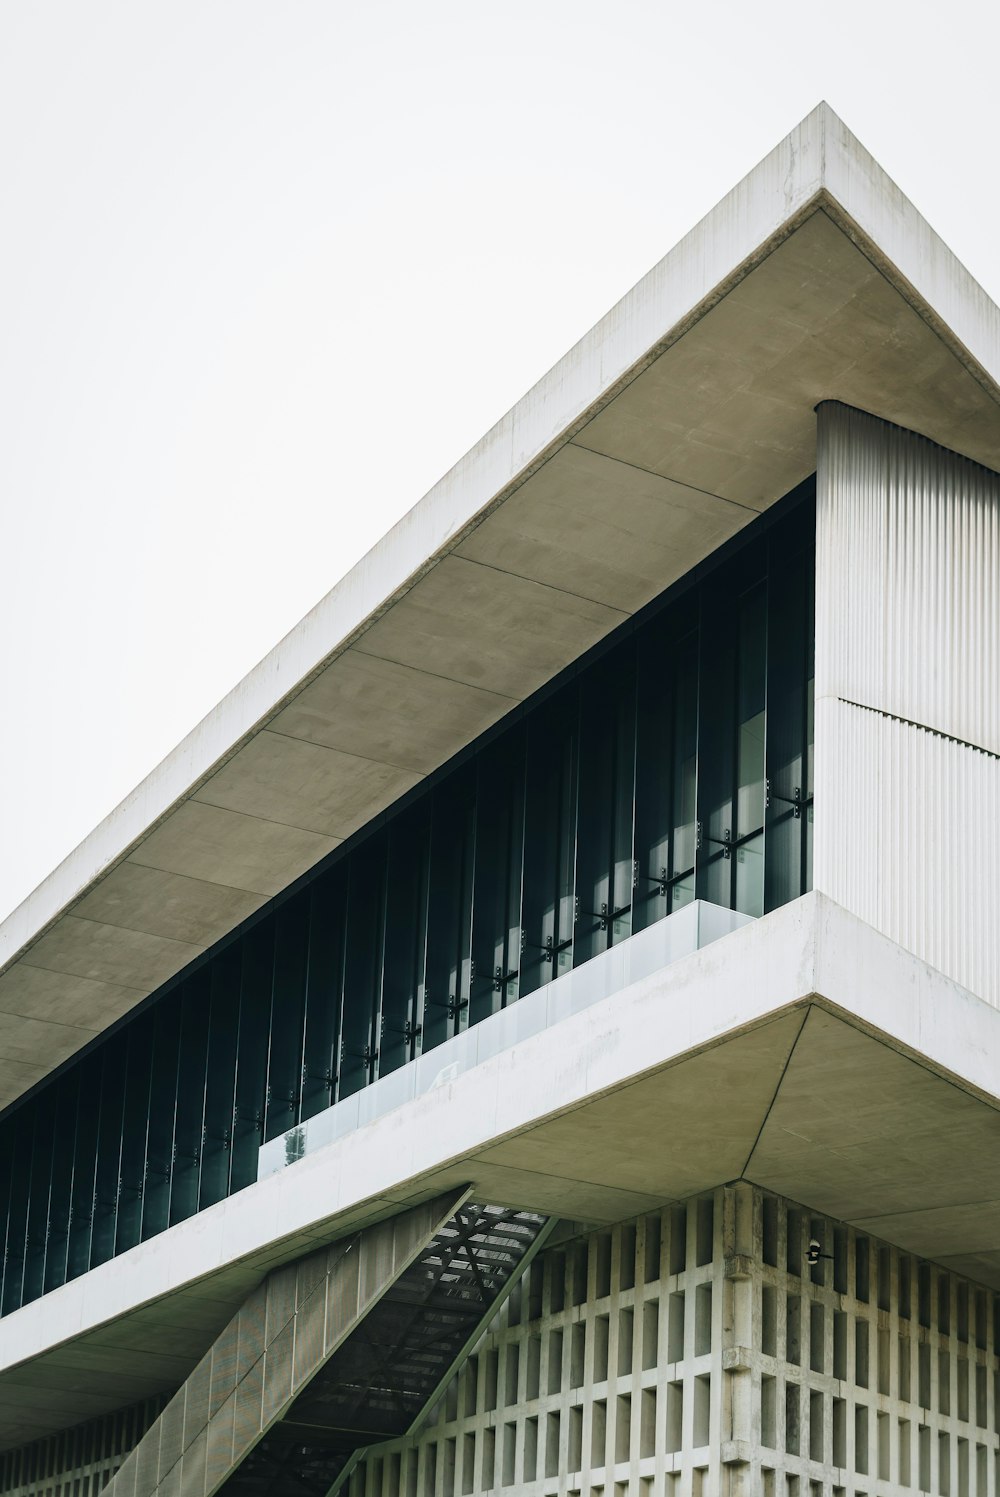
x=795, y=800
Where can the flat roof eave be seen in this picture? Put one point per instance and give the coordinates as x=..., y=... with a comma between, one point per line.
x=691, y=403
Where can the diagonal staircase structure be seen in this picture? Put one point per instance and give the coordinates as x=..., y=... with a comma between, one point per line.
x=343, y=1348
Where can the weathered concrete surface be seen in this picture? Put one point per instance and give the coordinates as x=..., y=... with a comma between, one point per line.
x=805, y=1052
x=687, y=410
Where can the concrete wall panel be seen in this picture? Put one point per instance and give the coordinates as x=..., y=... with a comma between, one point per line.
x=908, y=578
x=902, y=841
x=908, y=692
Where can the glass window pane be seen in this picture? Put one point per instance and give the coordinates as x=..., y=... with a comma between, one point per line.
x=604, y=853
x=192, y=1075
x=405, y=939
x=323, y=990
x=449, y=913
x=109, y=1148
x=496, y=910
x=288, y=997
x=162, y=1107
x=256, y=976
x=61, y=1190
x=549, y=841
x=362, y=966
x=220, y=1082
x=84, y=1165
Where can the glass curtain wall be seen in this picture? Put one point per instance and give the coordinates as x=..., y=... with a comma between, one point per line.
x=675, y=764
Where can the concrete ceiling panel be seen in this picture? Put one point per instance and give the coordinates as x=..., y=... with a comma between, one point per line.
x=16, y=1077
x=166, y=904
x=981, y=1268
x=224, y=847
x=538, y=1190
x=109, y=953
x=487, y=628
x=729, y=406
x=860, y=1131
x=23, y=1039
x=932, y=1231
x=392, y=713
x=305, y=785
x=39, y=994
x=685, y=1146
x=603, y=529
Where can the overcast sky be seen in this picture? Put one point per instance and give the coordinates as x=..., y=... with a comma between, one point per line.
x=268, y=269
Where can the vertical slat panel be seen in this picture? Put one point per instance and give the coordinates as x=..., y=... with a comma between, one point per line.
x=908, y=706
x=908, y=577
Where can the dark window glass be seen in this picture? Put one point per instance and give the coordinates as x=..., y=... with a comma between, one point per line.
x=192, y=1075
x=251, y=1061
x=38, y=1199
x=405, y=939
x=324, y=985
x=362, y=966
x=449, y=908
x=288, y=996
x=675, y=763
x=220, y=1080
x=604, y=863
x=84, y=1165
x=61, y=1189
x=666, y=766
x=549, y=841
x=162, y=1110
x=496, y=899
x=109, y=1143
x=788, y=866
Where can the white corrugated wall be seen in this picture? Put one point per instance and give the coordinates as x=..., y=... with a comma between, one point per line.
x=908, y=692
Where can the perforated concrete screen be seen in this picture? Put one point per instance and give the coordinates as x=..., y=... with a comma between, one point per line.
x=695, y=1353
x=78, y=1462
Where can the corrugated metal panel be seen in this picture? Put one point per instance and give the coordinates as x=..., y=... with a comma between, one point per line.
x=907, y=831
x=906, y=838
x=908, y=577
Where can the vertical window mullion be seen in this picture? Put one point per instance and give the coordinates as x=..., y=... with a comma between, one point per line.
x=109, y=1144
x=220, y=1076
x=84, y=1166
x=323, y=991
x=364, y=950
x=162, y=1106
x=256, y=972
x=61, y=1190
x=287, y=1015
x=17, y=1219
x=188, y=1105
x=449, y=908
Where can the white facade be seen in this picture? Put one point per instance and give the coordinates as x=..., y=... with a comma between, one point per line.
x=692, y=1109
x=907, y=698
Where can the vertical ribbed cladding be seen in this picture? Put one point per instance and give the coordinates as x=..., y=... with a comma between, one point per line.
x=907, y=661
x=903, y=839
x=908, y=577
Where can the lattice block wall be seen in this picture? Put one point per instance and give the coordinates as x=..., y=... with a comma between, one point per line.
x=874, y=1373
x=695, y=1353
x=77, y=1462
x=602, y=1374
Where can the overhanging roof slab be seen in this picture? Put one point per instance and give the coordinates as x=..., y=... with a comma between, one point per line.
x=686, y=411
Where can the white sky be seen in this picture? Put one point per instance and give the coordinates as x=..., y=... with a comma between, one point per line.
x=268, y=269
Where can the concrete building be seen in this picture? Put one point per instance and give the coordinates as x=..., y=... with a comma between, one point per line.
x=540, y=1033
